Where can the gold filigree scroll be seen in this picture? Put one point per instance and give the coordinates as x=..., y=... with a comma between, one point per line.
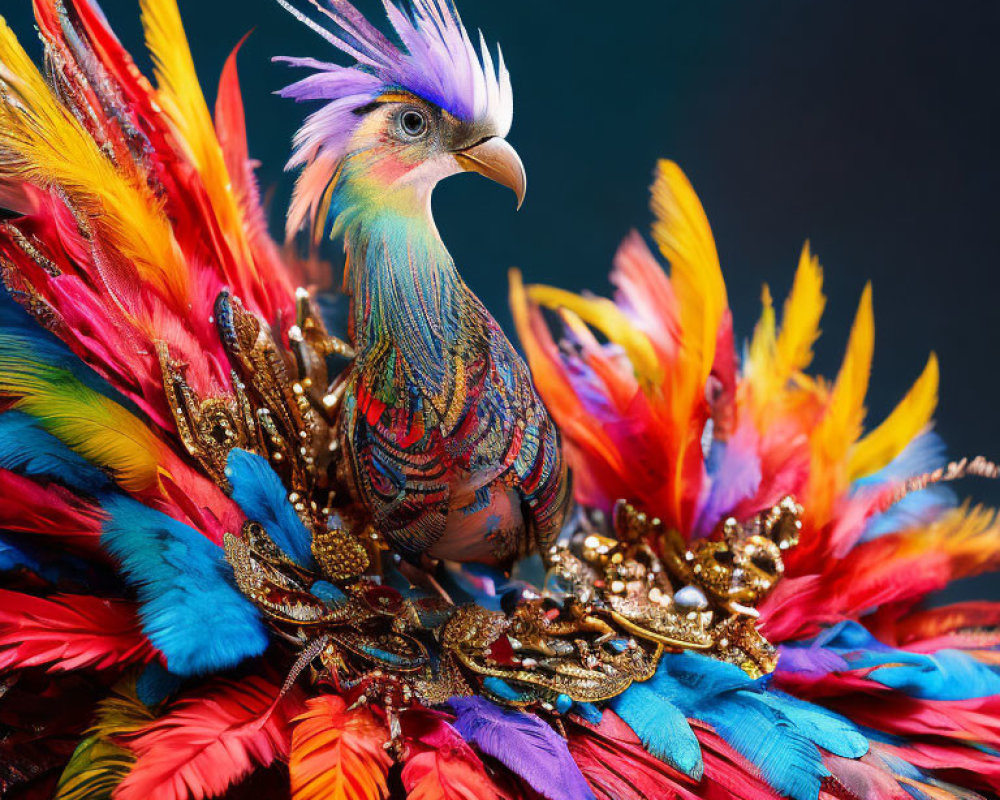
x=697, y=596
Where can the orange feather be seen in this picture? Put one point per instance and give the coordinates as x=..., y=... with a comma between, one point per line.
x=338, y=754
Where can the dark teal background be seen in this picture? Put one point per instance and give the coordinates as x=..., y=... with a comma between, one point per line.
x=869, y=126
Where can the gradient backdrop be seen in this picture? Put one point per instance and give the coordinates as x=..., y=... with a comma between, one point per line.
x=871, y=127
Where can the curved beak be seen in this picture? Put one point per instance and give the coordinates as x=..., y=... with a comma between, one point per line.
x=498, y=161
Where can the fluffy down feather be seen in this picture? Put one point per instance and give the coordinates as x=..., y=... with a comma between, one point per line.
x=190, y=609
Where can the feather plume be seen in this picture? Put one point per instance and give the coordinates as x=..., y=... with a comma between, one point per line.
x=207, y=741
x=606, y=317
x=94, y=771
x=524, y=744
x=260, y=493
x=661, y=726
x=683, y=234
x=801, y=316
x=30, y=507
x=179, y=94
x=92, y=425
x=779, y=737
x=774, y=359
x=437, y=61
x=728, y=774
x=440, y=765
x=338, y=754
x=100, y=763
x=46, y=146
x=190, y=609
x=913, y=414
x=69, y=632
x=230, y=126
x=841, y=423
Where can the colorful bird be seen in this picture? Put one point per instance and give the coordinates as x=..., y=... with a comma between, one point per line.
x=190, y=605
x=447, y=445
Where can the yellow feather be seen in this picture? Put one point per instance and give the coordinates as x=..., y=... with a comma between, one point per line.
x=800, y=318
x=43, y=144
x=908, y=419
x=970, y=535
x=180, y=95
x=841, y=424
x=606, y=317
x=683, y=234
x=759, y=371
x=99, y=763
x=843, y=419
x=775, y=359
x=89, y=423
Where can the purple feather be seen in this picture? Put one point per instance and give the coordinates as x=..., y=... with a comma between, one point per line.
x=437, y=61
x=524, y=744
x=734, y=475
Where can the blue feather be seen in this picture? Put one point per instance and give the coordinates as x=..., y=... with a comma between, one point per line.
x=780, y=741
x=189, y=608
x=524, y=744
x=925, y=453
x=258, y=490
x=589, y=712
x=912, y=511
x=829, y=730
x=663, y=729
x=21, y=334
x=27, y=448
x=13, y=557
x=155, y=684
x=945, y=675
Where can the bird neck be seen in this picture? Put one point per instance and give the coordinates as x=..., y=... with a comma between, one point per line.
x=405, y=290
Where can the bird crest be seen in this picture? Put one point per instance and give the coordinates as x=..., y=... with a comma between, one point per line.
x=434, y=60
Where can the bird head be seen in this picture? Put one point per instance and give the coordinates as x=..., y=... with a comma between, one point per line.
x=399, y=119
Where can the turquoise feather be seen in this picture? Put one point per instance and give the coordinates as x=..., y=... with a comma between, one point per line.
x=258, y=490
x=661, y=726
x=189, y=608
x=780, y=735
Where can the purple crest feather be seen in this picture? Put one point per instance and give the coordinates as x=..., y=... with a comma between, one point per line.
x=437, y=61
x=524, y=744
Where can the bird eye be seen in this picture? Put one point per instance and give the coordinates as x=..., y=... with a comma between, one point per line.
x=413, y=123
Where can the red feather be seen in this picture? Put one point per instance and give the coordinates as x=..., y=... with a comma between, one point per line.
x=863, y=778
x=67, y=632
x=30, y=507
x=208, y=741
x=230, y=126
x=440, y=765
x=616, y=766
x=962, y=626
